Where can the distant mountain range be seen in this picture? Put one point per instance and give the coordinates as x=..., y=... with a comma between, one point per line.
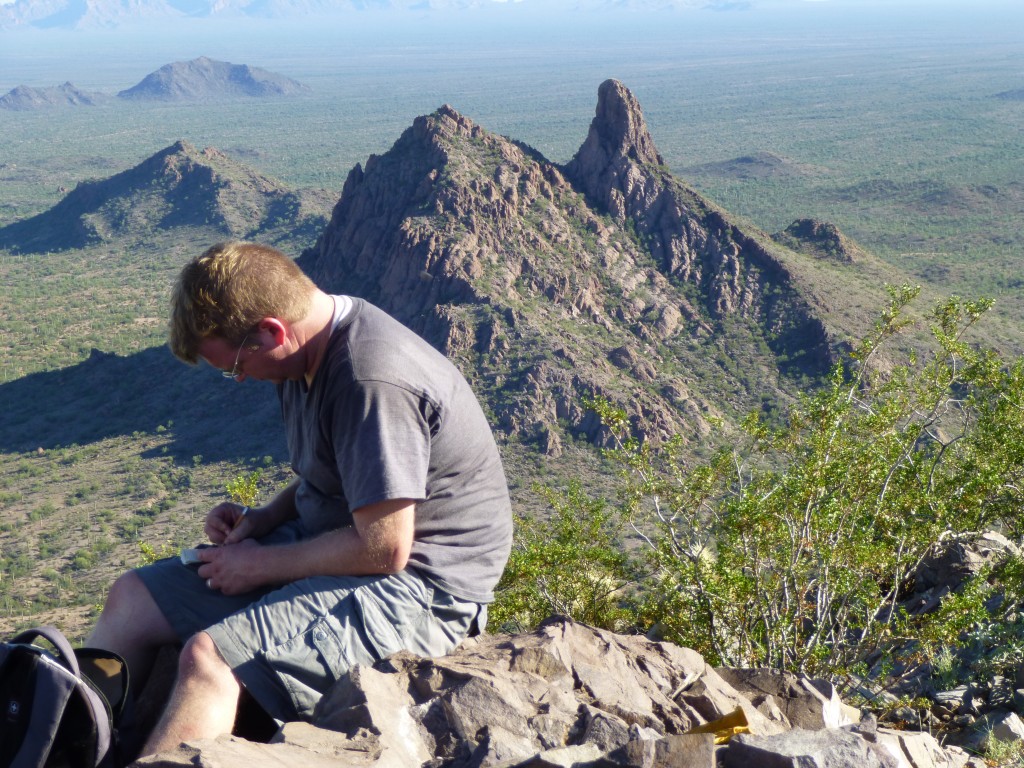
x=198, y=80
x=23, y=98
x=73, y=14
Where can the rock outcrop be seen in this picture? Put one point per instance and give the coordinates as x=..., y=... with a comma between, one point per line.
x=619, y=170
x=568, y=695
x=820, y=239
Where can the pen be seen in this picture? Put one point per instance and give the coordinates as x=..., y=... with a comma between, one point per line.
x=241, y=517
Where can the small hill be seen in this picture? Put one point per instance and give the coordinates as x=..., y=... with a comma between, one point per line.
x=24, y=98
x=177, y=187
x=205, y=79
x=1017, y=94
x=820, y=239
x=760, y=165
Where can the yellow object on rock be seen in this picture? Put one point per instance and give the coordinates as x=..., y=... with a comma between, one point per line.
x=724, y=728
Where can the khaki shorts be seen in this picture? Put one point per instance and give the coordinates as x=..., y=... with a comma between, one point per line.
x=287, y=646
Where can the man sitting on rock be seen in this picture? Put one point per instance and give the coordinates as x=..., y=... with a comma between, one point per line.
x=391, y=536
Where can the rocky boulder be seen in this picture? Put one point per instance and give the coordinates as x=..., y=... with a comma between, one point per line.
x=566, y=695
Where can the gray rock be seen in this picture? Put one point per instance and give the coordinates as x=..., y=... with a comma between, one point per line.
x=1018, y=699
x=919, y=750
x=563, y=757
x=1006, y=726
x=233, y=752
x=805, y=703
x=373, y=707
x=832, y=748
x=954, y=560
x=603, y=729
x=998, y=725
x=952, y=698
x=684, y=751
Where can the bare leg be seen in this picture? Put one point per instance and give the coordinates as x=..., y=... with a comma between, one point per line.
x=132, y=626
x=204, y=701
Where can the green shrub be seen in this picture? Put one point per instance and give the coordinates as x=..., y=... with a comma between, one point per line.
x=793, y=546
x=570, y=563
x=790, y=547
x=244, y=489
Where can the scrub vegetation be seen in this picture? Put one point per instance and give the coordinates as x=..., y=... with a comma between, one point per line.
x=796, y=545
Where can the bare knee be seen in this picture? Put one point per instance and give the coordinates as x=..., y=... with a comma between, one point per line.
x=125, y=593
x=201, y=662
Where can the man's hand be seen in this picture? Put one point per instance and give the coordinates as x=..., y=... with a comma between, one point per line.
x=228, y=523
x=234, y=568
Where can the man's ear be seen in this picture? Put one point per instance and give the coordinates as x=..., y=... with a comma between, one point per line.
x=274, y=327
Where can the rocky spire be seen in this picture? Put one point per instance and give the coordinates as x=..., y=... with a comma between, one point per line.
x=618, y=137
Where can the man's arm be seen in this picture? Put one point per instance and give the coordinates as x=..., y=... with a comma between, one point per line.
x=379, y=542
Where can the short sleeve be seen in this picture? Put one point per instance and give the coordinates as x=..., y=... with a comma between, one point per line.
x=381, y=436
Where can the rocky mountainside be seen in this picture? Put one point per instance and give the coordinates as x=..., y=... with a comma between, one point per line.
x=205, y=79
x=551, y=284
x=23, y=98
x=177, y=187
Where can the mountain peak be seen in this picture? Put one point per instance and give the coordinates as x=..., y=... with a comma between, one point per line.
x=617, y=132
x=555, y=284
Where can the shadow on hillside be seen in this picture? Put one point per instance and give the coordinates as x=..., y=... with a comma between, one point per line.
x=109, y=396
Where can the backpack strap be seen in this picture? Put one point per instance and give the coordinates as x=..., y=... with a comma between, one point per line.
x=65, y=654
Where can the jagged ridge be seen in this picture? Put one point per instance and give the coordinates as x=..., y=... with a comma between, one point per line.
x=603, y=277
x=547, y=284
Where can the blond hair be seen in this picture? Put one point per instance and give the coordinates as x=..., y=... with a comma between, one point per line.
x=227, y=290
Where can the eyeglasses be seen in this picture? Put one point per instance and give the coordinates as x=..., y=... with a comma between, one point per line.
x=234, y=373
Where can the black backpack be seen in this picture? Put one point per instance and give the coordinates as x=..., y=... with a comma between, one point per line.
x=63, y=709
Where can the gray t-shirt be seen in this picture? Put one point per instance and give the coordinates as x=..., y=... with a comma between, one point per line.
x=389, y=417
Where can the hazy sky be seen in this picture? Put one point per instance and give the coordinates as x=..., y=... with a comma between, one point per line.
x=96, y=57
x=739, y=5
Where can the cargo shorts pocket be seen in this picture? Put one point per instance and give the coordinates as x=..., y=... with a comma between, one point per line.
x=386, y=627
x=308, y=664
x=301, y=669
